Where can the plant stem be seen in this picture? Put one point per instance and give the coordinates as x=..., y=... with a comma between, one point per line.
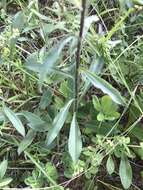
x=78, y=53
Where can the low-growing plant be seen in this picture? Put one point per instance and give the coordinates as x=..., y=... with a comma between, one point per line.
x=70, y=93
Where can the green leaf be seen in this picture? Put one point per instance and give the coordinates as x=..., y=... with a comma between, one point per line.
x=49, y=60
x=100, y=117
x=51, y=170
x=96, y=103
x=18, y=21
x=2, y=117
x=125, y=172
x=35, y=122
x=33, y=59
x=65, y=89
x=3, y=168
x=139, y=152
x=110, y=165
x=26, y=141
x=108, y=106
x=95, y=67
x=137, y=131
x=74, y=142
x=58, y=123
x=13, y=118
x=45, y=99
x=138, y=2
x=4, y=182
x=48, y=28
x=105, y=87
x=88, y=21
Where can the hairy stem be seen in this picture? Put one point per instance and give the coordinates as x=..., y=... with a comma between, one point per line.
x=78, y=53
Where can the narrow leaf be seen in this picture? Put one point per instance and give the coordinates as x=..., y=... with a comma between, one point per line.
x=4, y=182
x=125, y=172
x=96, y=67
x=3, y=168
x=35, y=122
x=49, y=59
x=45, y=99
x=26, y=141
x=74, y=142
x=138, y=2
x=13, y=118
x=2, y=117
x=58, y=123
x=105, y=87
x=110, y=165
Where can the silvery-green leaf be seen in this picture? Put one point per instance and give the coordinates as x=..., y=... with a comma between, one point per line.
x=2, y=117
x=88, y=21
x=95, y=67
x=49, y=61
x=3, y=168
x=45, y=99
x=4, y=182
x=138, y=2
x=35, y=122
x=110, y=165
x=18, y=21
x=14, y=119
x=26, y=141
x=75, y=141
x=58, y=123
x=103, y=85
x=125, y=172
x=48, y=28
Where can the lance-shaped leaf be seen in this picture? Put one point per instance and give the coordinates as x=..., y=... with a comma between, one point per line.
x=95, y=67
x=35, y=122
x=3, y=168
x=26, y=141
x=75, y=141
x=49, y=60
x=58, y=123
x=14, y=119
x=4, y=182
x=45, y=99
x=103, y=85
x=125, y=172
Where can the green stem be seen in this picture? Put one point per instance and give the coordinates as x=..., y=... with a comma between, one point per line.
x=78, y=53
